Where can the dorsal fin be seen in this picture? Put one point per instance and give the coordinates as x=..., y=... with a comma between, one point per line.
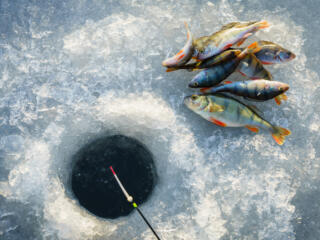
x=264, y=42
x=229, y=25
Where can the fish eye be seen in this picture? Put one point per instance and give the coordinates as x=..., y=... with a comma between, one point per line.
x=195, y=84
x=194, y=97
x=280, y=88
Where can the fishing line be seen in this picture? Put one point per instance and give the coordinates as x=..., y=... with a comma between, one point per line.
x=130, y=200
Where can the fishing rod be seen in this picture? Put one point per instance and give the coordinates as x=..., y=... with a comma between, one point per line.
x=130, y=200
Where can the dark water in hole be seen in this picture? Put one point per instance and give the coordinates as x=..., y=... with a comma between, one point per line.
x=94, y=185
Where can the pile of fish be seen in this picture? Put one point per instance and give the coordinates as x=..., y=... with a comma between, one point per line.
x=218, y=56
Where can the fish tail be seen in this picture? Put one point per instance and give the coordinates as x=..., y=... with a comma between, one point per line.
x=189, y=34
x=281, y=97
x=279, y=134
x=252, y=48
x=263, y=24
x=207, y=90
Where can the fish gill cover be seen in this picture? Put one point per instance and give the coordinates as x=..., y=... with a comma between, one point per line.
x=71, y=70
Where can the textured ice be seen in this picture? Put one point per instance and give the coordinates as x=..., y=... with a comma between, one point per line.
x=71, y=71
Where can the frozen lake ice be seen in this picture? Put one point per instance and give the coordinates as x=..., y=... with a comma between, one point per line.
x=72, y=70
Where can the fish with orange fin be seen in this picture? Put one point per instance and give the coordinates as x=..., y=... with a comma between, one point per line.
x=229, y=35
x=252, y=65
x=226, y=111
x=216, y=74
x=260, y=90
x=272, y=53
x=184, y=55
x=252, y=68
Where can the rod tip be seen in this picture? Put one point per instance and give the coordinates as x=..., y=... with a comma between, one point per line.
x=112, y=170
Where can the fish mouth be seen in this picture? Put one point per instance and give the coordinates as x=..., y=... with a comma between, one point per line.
x=191, y=85
x=293, y=56
x=166, y=64
x=286, y=87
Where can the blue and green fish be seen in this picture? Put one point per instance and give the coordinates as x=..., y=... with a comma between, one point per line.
x=271, y=53
x=228, y=112
x=260, y=90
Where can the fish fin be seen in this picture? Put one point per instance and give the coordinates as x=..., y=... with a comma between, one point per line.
x=171, y=69
x=216, y=108
x=227, y=46
x=263, y=24
x=229, y=25
x=217, y=122
x=205, y=90
x=243, y=39
x=278, y=100
x=252, y=128
x=266, y=63
x=188, y=31
x=279, y=134
x=227, y=82
x=252, y=48
x=281, y=97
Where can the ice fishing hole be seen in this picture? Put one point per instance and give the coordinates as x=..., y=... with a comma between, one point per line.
x=92, y=181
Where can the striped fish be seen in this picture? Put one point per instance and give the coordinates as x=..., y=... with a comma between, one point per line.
x=271, y=53
x=216, y=74
x=184, y=55
x=227, y=36
x=261, y=90
x=228, y=112
x=252, y=68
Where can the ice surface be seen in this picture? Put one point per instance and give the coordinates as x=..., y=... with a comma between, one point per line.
x=71, y=71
